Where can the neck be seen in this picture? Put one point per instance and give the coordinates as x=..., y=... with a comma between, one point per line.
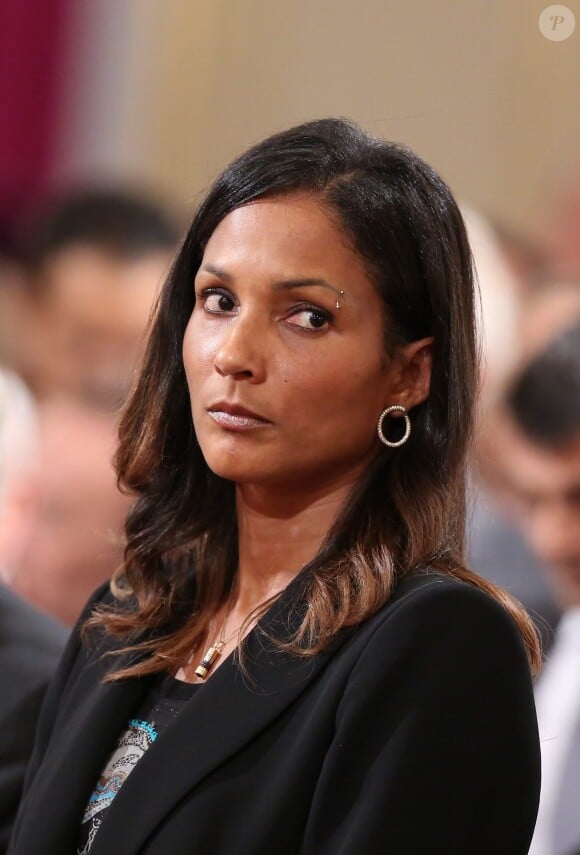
x=280, y=533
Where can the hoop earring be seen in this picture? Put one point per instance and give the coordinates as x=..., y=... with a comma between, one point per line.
x=394, y=408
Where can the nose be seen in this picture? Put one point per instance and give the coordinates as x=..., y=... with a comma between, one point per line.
x=241, y=352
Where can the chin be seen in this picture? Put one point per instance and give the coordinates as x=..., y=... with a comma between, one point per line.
x=231, y=464
x=237, y=456
x=246, y=469
x=228, y=473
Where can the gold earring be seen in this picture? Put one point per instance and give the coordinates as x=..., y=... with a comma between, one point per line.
x=394, y=408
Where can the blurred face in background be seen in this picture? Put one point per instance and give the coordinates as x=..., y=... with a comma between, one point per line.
x=88, y=321
x=545, y=484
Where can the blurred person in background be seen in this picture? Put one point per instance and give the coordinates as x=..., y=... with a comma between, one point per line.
x=30, y=642
x=94, y=261
x=75, y=543
x=497, y=549
x=550, y=306
x=542, y=471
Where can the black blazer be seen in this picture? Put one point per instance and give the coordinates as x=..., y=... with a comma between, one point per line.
x=31, y=644
x=412, y=734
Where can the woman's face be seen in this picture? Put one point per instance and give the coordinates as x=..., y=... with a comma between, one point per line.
x=284, y=351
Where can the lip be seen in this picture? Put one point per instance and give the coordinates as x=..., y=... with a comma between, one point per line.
x=236, y=417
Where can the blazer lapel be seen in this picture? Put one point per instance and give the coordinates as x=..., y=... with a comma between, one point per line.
x=228, y=712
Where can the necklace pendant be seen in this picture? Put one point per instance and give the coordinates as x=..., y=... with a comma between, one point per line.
x=209, y=658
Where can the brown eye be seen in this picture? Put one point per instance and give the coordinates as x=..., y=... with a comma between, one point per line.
x=310, y=319
x=217, y=302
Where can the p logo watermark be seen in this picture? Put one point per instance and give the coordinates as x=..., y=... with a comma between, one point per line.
x=557, y=23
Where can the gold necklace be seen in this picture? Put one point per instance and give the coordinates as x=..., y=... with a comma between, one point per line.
x=213, y=652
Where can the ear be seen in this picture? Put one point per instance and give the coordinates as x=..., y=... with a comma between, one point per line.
x=412, y=377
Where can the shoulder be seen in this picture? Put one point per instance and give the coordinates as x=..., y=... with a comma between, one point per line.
x=428, y=599
x=437, y=625
x=447, y=656
x=437, y=712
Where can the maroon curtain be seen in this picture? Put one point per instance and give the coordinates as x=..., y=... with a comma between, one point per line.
x=33, y=36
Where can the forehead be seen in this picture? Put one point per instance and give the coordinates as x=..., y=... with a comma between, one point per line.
x=542, y=471
x=291, y=235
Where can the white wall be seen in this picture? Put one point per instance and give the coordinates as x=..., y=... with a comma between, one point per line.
x=169, y=90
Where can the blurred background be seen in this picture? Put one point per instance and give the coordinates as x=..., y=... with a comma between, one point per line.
x=164, y=94
x=114, y=118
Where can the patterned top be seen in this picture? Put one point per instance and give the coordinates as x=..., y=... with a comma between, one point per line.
x=161, y=705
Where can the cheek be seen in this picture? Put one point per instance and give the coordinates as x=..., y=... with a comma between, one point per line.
x=198, y=351
x=334, y=395
x=305, y=379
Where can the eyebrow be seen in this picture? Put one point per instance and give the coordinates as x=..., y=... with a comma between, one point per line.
x=284, y=285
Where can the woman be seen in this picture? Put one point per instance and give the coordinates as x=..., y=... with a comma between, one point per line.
x=293, y=658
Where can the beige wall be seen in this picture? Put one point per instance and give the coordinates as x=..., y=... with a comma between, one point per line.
x=472, y=85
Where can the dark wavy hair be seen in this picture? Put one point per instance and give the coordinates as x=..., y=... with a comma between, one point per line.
x=408, y=509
